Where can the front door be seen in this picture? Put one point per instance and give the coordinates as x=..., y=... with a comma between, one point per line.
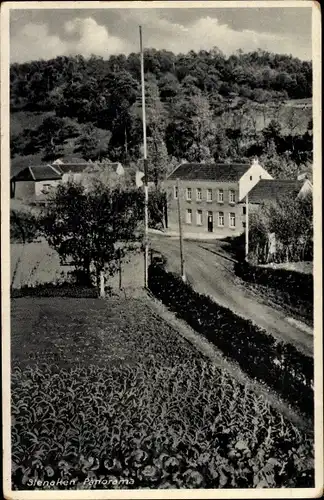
x=210, y=222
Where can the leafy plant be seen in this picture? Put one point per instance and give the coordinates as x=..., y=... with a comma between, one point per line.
x=161, y=427
x=279, y=365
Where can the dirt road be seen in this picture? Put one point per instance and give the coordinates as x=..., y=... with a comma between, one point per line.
x=213, y=274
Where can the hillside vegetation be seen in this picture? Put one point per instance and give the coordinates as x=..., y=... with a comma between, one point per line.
x=200, y=107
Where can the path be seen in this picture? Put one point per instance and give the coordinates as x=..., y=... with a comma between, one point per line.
x=213, y=274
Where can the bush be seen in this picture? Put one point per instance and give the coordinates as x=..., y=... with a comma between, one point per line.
x=55, y=290
x=297, y=285
x=279, y=365
x=181, y=426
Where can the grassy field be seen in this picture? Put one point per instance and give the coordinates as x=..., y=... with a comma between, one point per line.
x=104, y=391
x=22, y=120
x=37, y=263
x=300, y=267
x=34, y=263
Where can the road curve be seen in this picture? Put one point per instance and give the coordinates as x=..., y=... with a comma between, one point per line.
x=213, y=274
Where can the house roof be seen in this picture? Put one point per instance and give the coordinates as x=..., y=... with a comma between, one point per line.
x=74, y=168
x=38, y=173
x=69, y=159
x=77, y=168
x=272, y=189
x=210, y=171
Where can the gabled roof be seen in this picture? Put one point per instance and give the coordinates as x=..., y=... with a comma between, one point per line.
x=38, y=173
x=74, y=168
x=272, y=189
x=69, y=159
x=220, y=172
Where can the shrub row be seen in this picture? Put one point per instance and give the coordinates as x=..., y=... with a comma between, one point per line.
x=279, y=365
x=53, y=290
x=297, y=285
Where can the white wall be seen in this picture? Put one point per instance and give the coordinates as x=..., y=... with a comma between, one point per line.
x=120, y=169
x=251, y=178
x=39, y=186
x=306, y=188
x=72, y=177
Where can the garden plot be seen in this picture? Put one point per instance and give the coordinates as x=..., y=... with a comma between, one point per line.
x=104, y=391
x=37, y=263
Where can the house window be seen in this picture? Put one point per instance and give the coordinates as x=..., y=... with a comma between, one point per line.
x=250, y=177
x=244, y=225
x=220, y=196
x=232, y=219
x=198, y=194
x=46, y=188
x=199, y=217
x=244, y=210
x=189, y=194
x=189, y=216
x=175, y=192
x=209, y=195
x=221, y=219
x=231, y=196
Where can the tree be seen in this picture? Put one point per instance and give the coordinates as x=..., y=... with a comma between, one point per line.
x=87, y=225
x=156, y=119
x=291, y=221
x=169, y=87
x=191, y=131
x=196, y=92
x=272, y=133
x=279, y=166
x=88, y=142
x=50, y=137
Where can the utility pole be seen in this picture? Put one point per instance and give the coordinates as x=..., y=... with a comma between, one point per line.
x=183, y=275
x=246, y=226
x=145, y=166
x=120, y=269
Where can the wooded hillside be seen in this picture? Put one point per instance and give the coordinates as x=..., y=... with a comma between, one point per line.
x=200, y=107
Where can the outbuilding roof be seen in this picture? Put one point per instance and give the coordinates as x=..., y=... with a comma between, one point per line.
x=220, y=172
x=38, y=173
x=272, y=189
x=74, y=168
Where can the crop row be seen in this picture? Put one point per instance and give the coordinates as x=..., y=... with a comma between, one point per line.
x=182, y=426
x=277, y=364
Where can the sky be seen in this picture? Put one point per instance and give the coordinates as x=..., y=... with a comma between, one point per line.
x=45, y=34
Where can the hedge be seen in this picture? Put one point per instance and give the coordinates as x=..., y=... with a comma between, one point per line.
x=52, y=290
x=277, y=364
x=297, y=285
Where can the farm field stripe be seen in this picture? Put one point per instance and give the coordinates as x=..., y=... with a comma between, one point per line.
x=209, y=350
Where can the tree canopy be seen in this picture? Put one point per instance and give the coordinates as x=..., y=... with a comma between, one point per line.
x=199, y=106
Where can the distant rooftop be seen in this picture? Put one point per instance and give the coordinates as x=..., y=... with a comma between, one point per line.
x=74, y=168
x=272, y=189
x=220, y=172
x=79, y=167
x=38, y=173
x=69, y=159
